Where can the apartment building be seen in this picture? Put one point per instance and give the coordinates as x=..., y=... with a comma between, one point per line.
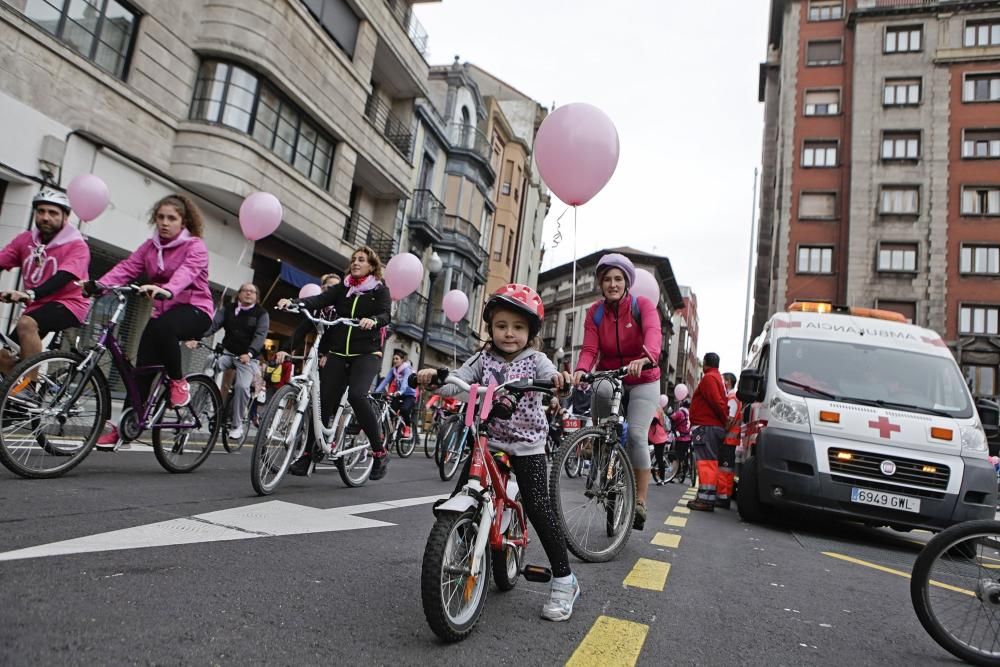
x=685, y=360
x=881, y=166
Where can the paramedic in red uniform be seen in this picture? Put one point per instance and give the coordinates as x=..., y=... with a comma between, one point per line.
x=709, y=417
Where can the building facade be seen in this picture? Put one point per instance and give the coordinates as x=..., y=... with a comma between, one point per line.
x=562, y=330
x=685, y=361
x=881, y=166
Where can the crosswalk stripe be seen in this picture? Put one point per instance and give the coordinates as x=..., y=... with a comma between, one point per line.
x=680, y=509
x=648, y=574
x=670, y=540
x=611, y=642
x=678, y=521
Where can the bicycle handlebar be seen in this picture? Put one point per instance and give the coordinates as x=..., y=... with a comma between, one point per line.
x=94, y=288
x=300, y=309
x=617, y=373
x=520, y=386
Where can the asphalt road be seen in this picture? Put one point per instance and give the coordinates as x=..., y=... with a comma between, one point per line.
x=319, y=573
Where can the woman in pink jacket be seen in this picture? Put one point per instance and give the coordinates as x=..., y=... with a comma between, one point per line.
x=624, y=330
x=174, y=262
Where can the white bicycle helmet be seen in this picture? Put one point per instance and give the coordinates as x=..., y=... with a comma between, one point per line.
x=54, y=197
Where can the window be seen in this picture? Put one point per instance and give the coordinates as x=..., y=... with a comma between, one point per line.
x=981, y=144
x=982, y=33
x=900, y=200
x=236, y=97
x=499, y=236
x=901, y=92
x=980, y=200
x=568, y=330
x=982, y=380
x=510, y=247
x=814, y=259
x=907, y=309
x=819, y=154
x=981, y=88
x=900, y=145
x=978, y=320
x=826, y=10
x=822, y=102
x=338, y=20
x=101, y=31
x=902, y=39
x=983, y=259
x=818, y=206
x=824, y=52
x=508, y=168
x=900, y=257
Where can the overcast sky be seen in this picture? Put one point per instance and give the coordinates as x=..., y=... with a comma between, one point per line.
x=679, y=80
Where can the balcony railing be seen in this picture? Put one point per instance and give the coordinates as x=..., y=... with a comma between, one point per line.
x=460, y=233
x=468, y=137
x=869, y=4
x=360, y=231
x=444, y=335
x=389, y=126
x=403, y=13
x=427, y=210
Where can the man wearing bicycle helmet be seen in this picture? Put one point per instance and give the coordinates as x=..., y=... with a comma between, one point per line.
x=624, y=330
x=52, y=257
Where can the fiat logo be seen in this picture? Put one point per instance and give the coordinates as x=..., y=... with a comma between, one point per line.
x=888, y=468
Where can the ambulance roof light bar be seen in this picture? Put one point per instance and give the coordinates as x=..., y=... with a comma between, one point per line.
x=822, y=307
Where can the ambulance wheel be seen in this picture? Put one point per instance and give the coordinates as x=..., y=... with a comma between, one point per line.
x=751, y=509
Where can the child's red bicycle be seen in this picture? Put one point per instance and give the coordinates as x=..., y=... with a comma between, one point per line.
x=483, y=527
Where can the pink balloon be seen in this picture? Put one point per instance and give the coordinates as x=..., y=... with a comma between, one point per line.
x=577, y=151
x=310, y=289
x=88, y=195
x=664, y=401
x=680, y=391
x=260, y=215
x=645, y=285
x=455, y=305
x=403, y=274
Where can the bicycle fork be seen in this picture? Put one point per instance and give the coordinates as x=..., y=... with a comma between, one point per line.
x=486, y=516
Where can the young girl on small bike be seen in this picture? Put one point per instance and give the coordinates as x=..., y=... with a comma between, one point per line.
x=513, y=317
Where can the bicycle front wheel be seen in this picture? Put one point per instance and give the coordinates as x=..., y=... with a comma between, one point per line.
x=955, y=590
x=595, y=509
x=43, y=432
x=453, y=449
x=430, y=439
x=356, y=466
x=405, y=446
x=276, y=443
x=184, y=437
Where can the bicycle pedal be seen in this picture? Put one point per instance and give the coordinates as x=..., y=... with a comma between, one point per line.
x=537, y=574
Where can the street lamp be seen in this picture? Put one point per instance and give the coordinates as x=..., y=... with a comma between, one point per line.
x=433, y=268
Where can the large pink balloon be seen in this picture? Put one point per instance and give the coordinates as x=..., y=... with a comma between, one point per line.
x=645, y=285
x=260, y=215
x=680, y=391
x=577, y=151
x=310, y=289
x=663, y=401
x=403, y=274
x=88, y=195
x=455, y=305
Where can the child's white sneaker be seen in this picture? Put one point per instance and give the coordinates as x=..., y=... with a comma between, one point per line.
x=561, y=599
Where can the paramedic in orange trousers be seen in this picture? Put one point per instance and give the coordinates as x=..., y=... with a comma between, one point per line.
x=727, y=453
x=709, y=416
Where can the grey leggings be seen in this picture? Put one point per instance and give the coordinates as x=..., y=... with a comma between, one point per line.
x=643, y=400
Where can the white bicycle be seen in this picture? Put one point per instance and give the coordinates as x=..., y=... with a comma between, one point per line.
x=292, y=423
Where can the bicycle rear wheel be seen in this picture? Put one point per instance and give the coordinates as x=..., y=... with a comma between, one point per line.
x=275, y=444
x=41, y=434
x=453, y=449
x=596, y=508
x=405, y=446
x=430, y=439
x=955, y=590
x=356, y=467
x=186, y=445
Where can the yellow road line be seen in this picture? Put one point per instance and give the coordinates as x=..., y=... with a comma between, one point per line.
x=898, y=573
x=611, y=642
x=678, y=521
x=681, y=509
x=670, y=540
x=648, y=574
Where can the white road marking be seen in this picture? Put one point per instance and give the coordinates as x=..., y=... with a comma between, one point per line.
x=267, y=519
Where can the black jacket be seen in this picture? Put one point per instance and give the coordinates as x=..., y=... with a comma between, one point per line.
x=352, y=341
x=245, y=333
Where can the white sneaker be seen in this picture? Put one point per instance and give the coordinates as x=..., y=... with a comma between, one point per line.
x=561, y=599
x=236, y=433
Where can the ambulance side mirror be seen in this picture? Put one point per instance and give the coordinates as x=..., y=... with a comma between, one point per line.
x=752, y=386
x=989, y=415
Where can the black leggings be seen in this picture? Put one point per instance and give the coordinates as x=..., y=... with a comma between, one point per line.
x=406, y=409
x=532, y=473
x=661, y=461
x=355, y=375
x=160, y=342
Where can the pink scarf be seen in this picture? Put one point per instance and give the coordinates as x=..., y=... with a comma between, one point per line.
x=355, y=286
x=183, y=237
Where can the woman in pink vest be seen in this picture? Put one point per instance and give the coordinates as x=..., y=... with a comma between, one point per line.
x=627, y=333
x=174, y=262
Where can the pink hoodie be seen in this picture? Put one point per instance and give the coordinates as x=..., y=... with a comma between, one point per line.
x=619, y=340
x=68, y=251
x=184, y=273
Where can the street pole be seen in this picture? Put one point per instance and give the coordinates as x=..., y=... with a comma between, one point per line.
x=427, y=319
x=750, y=254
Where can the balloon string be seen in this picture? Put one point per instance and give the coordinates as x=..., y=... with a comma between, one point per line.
x=239, y=262
x=558, y=236
x=574, y=261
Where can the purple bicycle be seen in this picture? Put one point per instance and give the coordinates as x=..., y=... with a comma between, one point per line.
x=54, y=406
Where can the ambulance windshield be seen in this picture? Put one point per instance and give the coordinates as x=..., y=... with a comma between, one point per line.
x=866, y=374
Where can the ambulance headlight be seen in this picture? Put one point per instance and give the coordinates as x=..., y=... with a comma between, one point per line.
x=790, y=412
x=974, y=440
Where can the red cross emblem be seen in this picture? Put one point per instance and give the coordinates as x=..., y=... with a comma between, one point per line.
x=885, y=429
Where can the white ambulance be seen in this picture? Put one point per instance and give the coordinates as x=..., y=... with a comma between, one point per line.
x=857, y=413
